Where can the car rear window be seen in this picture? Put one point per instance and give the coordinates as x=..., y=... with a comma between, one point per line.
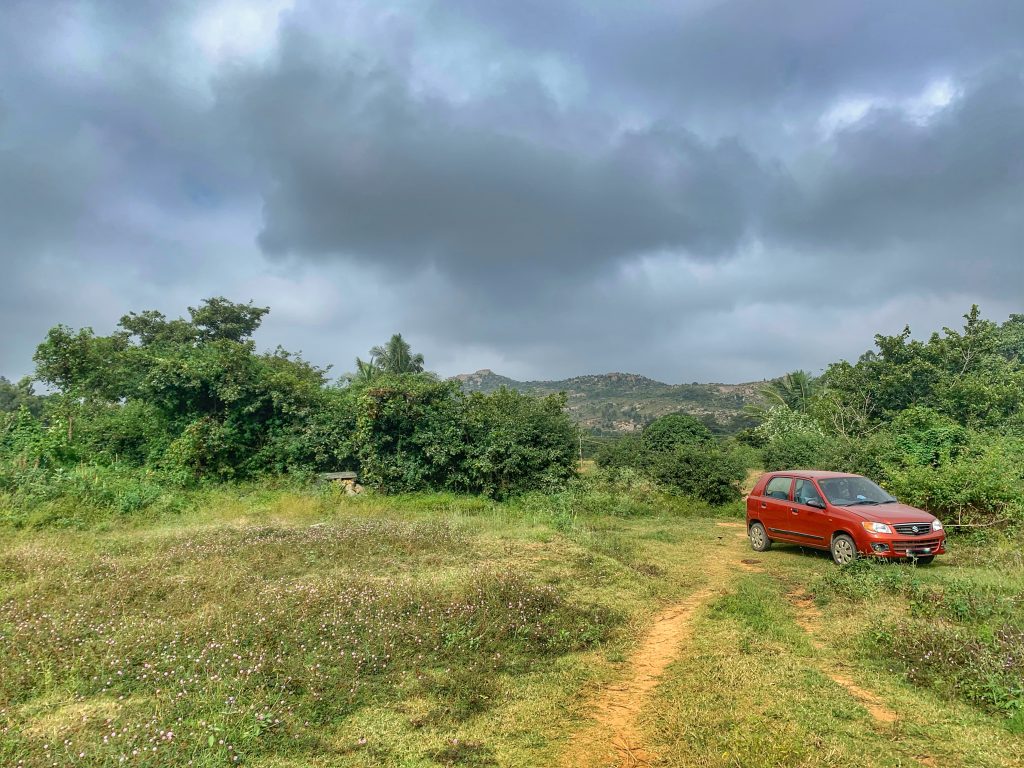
x=778, y=487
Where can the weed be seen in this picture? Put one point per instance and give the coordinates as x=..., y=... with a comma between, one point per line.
x=238, y=641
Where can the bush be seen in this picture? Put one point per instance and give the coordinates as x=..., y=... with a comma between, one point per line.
x=984, y=482
x=986, y=670
x=803, y=450
x=680, y=453
x=791, y=440
x=619, y=453
x=85, y=494
x=409, y=434
x=706, y=472
x=517, y=443
x=669, y=432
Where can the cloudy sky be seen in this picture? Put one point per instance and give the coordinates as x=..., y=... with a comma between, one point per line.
x=694, y=190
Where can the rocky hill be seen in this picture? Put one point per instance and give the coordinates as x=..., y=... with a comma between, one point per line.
x=616, y=403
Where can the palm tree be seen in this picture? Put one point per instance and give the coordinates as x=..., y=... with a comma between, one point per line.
x=793, y=391
x=366, y=371
x=395, y=357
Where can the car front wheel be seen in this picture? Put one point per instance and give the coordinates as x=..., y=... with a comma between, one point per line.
x=759, y=540
x=844, y=551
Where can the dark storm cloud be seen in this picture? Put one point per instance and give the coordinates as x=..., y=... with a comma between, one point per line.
x=359, y=165
x=744, y=56
x=698, y=189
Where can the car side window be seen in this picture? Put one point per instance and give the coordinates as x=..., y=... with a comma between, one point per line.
x=805, y=492
x=778, y=488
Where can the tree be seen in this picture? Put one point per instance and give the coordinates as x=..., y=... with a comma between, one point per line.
x=366, y=371
x=396, y=357
x=15, y=396
x=793, y=391
x=219, y=319
x=517, y=443
x=669, y=432
x=973, y=376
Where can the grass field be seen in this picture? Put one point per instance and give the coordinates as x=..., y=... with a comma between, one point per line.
x=286, y=628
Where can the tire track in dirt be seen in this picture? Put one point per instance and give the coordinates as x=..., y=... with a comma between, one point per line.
x=808, y=617
x=613, y=739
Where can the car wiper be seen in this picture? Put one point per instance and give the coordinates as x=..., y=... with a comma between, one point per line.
x=863, y=501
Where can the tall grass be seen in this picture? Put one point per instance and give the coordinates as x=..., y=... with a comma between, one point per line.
x=222, y=645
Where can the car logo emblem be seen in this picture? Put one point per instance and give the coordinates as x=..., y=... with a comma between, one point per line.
x=914, y=529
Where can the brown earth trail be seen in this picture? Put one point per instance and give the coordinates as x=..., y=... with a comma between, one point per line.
x=613, y=739
x=808, y=617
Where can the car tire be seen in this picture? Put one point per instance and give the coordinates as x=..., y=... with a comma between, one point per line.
x=844, y=550
x=924, y=560
x=759, y=540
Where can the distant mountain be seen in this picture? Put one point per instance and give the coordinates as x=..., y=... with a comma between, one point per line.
x=616, y=403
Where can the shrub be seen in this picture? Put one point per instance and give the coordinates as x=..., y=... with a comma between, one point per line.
x=986, y=670
x=669, y=432
x=680, y=453
x=791, y=439
x=409, y=433
x=707, y=472
x=517, y=443
x=619, y=453
x=985, y=481
x=804, y=450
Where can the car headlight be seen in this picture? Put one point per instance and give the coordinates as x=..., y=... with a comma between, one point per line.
x=936, y=524
x=876, y=528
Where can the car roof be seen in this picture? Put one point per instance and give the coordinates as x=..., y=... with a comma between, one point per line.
x=817, y=474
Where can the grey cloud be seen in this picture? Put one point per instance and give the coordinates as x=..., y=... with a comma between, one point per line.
x=744, y=57
x=359, y=165
x=560, y=187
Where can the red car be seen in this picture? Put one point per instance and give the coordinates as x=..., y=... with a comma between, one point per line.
x=845, y=514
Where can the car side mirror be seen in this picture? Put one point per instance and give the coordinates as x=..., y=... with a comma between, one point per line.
x=816, y=503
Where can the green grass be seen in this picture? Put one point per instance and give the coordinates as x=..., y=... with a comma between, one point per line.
x=298, y=627
x=271, y=627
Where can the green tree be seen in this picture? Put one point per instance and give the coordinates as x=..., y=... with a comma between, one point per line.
x=22, y=394
x=517, y=443
x=396, y=357
x=409, y=433
x=795, y=391
x=665, y=434
x=218, y=319
x=973, y=376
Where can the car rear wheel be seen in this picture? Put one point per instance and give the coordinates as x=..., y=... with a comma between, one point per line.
x=844, y=551
x=924, y=559
x=759, y=540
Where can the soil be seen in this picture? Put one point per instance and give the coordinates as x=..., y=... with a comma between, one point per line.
x=808, y=617
x=613, y=739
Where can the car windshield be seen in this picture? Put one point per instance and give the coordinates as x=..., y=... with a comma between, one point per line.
x=852, y=491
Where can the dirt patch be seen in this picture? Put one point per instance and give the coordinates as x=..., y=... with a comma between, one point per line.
x=613, y=739
x=874, y=705
x=732, y=525
x=808, y=618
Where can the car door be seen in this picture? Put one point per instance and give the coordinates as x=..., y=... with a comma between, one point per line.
x=775, y=505
x=809, y=523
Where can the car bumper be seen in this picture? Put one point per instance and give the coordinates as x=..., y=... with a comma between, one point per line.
x=897, y=547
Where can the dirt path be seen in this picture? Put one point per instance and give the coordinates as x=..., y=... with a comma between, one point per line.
x=809, y=618
x=613, y=738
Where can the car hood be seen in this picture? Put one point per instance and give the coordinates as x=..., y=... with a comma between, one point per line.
x=892, y=513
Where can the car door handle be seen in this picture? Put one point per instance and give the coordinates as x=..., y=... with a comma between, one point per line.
x=794, y=510
x=764, y=505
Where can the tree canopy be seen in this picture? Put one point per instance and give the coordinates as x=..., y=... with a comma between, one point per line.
x=193, y=398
